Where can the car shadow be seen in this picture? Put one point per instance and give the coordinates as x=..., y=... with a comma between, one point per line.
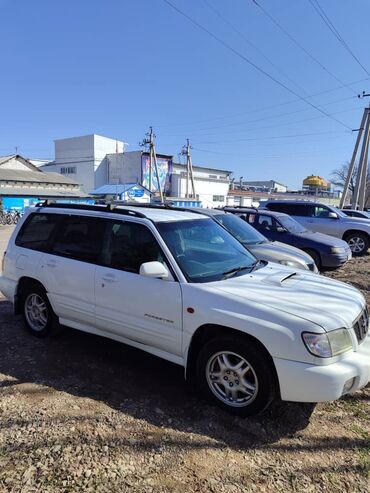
x=133, y=382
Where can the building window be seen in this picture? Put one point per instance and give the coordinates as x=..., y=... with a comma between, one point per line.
x=218, y=198
x=213, y=176
x=68, y=170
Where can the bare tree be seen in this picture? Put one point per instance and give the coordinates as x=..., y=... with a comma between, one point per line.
x=339, y=176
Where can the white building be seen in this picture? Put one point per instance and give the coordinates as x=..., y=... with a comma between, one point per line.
x=94, y=161
x=80, y=158
x=211, y=185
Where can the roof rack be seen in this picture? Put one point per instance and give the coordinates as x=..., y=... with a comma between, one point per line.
x=166, y=205
x=99, y=208
x=240, y=207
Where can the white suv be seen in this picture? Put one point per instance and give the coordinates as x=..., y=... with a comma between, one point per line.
x=178, y=285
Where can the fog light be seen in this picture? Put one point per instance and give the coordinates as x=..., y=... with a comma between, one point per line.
x=348, y=385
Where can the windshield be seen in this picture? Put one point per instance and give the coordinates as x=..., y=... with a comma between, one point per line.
x=245, y=233
x=291, y=224
x=205, y=251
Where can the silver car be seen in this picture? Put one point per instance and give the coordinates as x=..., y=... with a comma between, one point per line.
x=323, y=218
x=259, y=245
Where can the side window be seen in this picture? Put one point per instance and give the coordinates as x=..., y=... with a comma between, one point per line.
x=265, y=223
x=291, y=209
x=37, y=231
x=127, y=245
x=320, y=211
x=79, y=238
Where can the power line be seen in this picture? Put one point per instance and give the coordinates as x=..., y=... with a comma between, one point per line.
x=242, y=35
x=263, y=138
x=271, y=117
x=296, y=42
x=320, y=11
x=256, y=110
x=247, y=60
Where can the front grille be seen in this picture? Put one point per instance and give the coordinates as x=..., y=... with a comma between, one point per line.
x=361, y=326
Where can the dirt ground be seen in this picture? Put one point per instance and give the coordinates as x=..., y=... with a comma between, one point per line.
x=82, y=413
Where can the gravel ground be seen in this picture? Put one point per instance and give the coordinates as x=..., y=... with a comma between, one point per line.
x=82, y=413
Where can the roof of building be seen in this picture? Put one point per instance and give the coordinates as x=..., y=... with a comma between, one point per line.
x=113, y=189
x=196, y=166
x=41, y=192
x=34, y=176
x=25, y=161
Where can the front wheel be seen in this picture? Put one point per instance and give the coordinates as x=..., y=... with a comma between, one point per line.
x=358, y=243
x=237, y=375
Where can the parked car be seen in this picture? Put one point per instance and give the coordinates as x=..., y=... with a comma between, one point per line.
x=356, y=213
x=327, y=252
x=261, y=247
x=158, y=280
x=324, y=218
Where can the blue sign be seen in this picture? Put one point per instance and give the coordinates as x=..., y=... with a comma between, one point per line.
x=135, y=192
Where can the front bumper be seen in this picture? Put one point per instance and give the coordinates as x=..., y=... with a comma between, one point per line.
x=302, y=382
x=335, y=259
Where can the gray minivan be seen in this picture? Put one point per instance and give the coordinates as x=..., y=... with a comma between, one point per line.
x=323, y=218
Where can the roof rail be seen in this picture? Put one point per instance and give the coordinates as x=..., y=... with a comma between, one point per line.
x=240, y=207
x=99, y=208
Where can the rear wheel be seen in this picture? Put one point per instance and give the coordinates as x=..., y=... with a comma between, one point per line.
x=358, y=243
x=37, y=312
x=237, y=375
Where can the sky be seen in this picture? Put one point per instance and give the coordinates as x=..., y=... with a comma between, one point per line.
x=263, y=101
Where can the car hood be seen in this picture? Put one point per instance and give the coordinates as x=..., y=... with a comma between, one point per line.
x=324, y=239
x=274, y=251
x=358, y=221
x=328, y=303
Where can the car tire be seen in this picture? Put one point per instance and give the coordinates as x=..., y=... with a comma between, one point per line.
x=38, y=315
x=358, y=243
x=315, y=256
x=237, y=375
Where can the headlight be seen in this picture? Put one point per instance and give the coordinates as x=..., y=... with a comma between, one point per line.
x=337, y=250
x=295, y=265
x=329, y=344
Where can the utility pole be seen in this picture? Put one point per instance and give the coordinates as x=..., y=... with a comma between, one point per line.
x=359, y=193
x=149, y=141
x=189, y=169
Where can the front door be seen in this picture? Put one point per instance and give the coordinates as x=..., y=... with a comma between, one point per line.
x=138, y=308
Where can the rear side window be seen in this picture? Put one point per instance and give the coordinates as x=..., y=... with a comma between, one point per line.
x=37, y=231
x=291, y=209
x=79, y=238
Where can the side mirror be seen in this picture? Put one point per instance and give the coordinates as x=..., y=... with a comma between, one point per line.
x=154, y=269
x=333, y=215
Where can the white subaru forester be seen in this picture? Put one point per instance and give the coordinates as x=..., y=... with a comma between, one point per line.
x=178, y=285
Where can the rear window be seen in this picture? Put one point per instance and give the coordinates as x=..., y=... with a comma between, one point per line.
x=37, y=231
x=291, y=209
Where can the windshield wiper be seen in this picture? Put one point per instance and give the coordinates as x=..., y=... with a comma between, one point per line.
x=233, y=272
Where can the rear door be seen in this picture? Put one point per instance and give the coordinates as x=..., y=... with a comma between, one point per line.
x=138, y=308
x=301, y=212
x=68, y=270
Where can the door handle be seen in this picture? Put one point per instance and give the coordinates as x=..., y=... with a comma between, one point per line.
x=109, y=278
x=51, y=263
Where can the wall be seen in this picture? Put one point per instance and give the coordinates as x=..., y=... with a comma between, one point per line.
x=124, y=168
x=87, y=155
x=205, y=186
